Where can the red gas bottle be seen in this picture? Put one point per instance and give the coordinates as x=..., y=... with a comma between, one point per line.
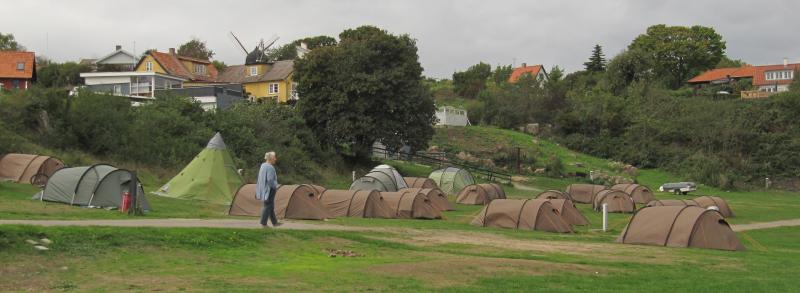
x=126, y=202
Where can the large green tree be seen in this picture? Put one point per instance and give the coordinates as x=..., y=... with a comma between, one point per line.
x=195, y=48
x=53, y=74
x=597, y=62
x=470, y=82
x=367, y=88
x=678, y=52
x=8, y=43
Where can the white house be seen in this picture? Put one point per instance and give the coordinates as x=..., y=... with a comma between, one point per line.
x=451, y=116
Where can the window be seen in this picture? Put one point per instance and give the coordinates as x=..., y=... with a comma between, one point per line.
x=20, y=66
x=253, y=70
x=148, y=66
x=15, y=84
x=273, y=88
x=200, y=68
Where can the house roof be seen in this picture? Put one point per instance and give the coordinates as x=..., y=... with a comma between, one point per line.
x=106, y=59
x=8, y=64
x=279, y=70
x=173, y=66
x=519, y=71
x=723, y=73
x=759, y=77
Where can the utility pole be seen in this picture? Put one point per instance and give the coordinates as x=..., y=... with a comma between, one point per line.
x=519, y=161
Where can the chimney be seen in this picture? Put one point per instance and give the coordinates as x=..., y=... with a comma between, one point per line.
x=119, y=47
x=785, y=62
x=524, y=64
x=172, y=51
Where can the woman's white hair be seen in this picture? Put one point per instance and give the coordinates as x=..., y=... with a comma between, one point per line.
x=269, y=156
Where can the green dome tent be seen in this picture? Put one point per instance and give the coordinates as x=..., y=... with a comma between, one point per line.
x=452, y=180
x=98, y=185
x=380, y=178
x=210, y=177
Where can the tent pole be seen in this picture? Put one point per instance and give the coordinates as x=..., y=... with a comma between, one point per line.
x=605, y=217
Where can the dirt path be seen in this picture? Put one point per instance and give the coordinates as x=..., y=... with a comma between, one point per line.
x=765, y=225
x=525, y=187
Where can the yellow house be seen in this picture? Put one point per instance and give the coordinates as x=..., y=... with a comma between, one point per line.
x=264, y=80
x=197, y=72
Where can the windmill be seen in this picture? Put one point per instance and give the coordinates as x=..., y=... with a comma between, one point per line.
x=260, y=51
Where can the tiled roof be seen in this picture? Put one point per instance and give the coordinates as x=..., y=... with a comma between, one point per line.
x=173, y=66
x=759, y=77
x=279, y=70
x=518, y=72
x=723, y=73
x=8, y=64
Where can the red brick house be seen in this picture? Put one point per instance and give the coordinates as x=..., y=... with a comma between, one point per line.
x=17, y=69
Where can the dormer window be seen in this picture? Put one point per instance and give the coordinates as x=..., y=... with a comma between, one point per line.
x=779, y=75
x=200, y=68
x=253, y=70
x=21, y=66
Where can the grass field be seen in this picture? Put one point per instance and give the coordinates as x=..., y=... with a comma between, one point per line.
x=447, y=255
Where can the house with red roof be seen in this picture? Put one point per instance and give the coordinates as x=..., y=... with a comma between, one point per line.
x=766, y=79
x=196, y=72
x=536, y=71
x=17, y=69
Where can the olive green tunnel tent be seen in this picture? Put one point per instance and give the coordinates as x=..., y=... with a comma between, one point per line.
x=452, y=180
x=356, y=203
x=583, y=193
x=553, y=194
x=680, y=226
x=480, y=194
x=721, y=204
x=420, y=182
x=567, y=210
x=618, y=201
x=211, y=176
x=411, y=204
x=527, y=214
x=436, y=196
x=380, y=178
x=640, y=193
x=97, y=185
x=30, y=169
x=297, y=202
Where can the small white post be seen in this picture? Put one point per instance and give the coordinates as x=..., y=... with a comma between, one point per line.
x=354, y=176
x=605, y=217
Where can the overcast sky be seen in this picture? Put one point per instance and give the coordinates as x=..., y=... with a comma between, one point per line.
x=451, y=35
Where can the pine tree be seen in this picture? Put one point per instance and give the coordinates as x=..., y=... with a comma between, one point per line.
x=597, y=62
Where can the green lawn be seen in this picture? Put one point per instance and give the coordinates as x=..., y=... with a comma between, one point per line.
x=146, y=259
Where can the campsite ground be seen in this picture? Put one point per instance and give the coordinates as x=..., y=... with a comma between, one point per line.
x=390, y=255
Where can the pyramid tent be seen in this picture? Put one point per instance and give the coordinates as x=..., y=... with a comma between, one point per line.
x=210, y=177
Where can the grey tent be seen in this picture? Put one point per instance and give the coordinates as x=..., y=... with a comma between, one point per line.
x=98, y=185
x=380, y=178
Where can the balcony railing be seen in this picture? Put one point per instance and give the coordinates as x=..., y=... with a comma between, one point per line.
x=749, y=95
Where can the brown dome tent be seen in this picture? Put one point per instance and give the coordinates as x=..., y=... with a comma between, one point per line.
x=245, y=203
x=680, y=226
x=618, y=201
x=569, y=212
x=291, y=202
x=671, y=202
x=640, y=193
x=480, y=194
x=30, y=169
x=721, y=204
x=438, y=199
x=529, y=214
x=356, y=203
x=420, y=182
x=408, y=204
x=584, y=193
x=553, y=194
